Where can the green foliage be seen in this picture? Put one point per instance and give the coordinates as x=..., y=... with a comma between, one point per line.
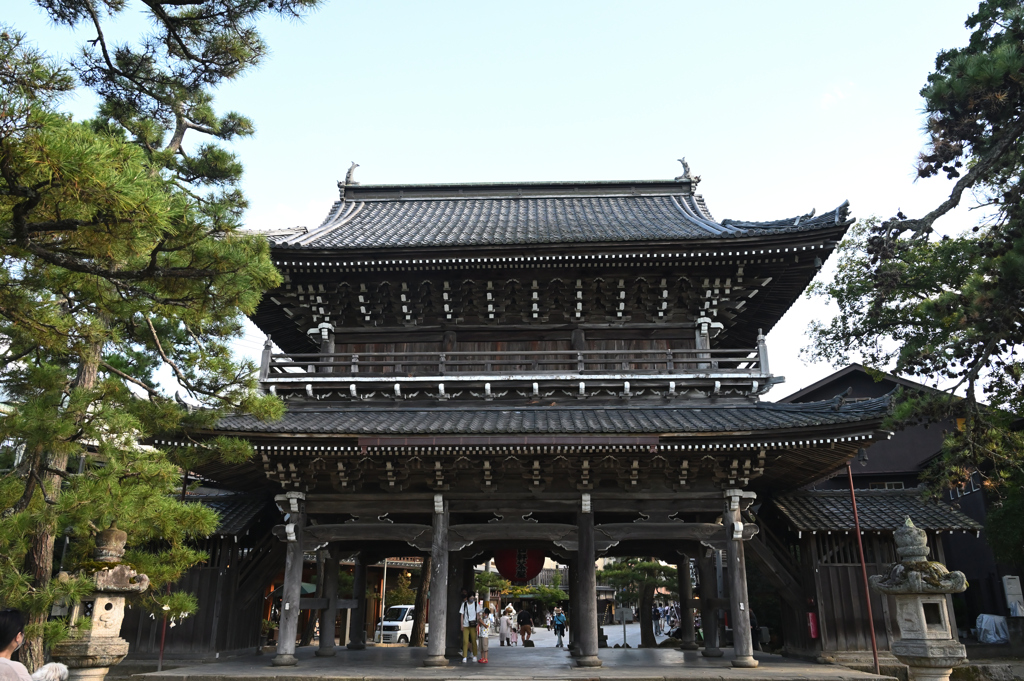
x=630, y=576
x=951, y=307
x=400, y=593
x=121, y=256
x=550, y=596
x=486, y=581
x=1005, y=532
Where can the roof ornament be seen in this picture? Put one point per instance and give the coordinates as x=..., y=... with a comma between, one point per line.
x=350, y=176
x=349, y=179
x=806, y=216
x=695, y=179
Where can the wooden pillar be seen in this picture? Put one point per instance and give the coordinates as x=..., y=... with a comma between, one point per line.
x=708, y=606
x=438, y=587
x=329, y=617
x=293, y=504
x=453, y=649
x=687, y=632
x=357, y=635
x=587, y=580
x=574, y=610
x=738, y=602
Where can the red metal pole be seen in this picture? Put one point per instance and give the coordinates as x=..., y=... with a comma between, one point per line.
x=863, y=568
x=163, y=637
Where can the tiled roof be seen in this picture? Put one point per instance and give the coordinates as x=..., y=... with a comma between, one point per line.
x=358, y=419
x=394, y=216
x=879, y=510
x=237, y=511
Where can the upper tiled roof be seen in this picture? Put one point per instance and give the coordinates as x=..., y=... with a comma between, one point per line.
x=409, y=216
x=879, y=510
x=356, y=419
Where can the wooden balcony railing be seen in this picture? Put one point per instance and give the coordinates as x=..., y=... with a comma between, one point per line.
x=742, y=370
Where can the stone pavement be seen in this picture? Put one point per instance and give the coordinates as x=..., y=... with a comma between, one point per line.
x=517, y=663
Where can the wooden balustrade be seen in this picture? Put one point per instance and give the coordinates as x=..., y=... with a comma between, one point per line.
x=742, y=362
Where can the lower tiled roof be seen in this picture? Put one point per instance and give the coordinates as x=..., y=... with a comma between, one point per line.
x=879, y=510
x=237, y=511
x=359, y=419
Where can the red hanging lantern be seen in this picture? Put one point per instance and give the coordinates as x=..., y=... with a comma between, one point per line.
x=519, y=565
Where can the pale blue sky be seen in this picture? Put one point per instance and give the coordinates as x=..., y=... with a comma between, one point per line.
x=780, y=107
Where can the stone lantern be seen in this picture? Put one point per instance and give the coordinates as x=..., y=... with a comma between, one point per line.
x=920, y=586
x=89, y=653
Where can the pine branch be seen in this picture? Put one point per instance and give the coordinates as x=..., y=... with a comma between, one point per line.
x=131, y=379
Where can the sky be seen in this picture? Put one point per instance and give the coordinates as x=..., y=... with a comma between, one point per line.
x=780, y=107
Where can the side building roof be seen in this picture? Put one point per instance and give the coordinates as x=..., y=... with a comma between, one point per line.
x=879, y=511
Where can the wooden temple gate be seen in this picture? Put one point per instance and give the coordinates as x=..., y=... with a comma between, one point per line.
x=570, y=367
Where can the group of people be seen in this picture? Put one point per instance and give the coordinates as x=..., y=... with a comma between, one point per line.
x=477, y=623
x=665, y=617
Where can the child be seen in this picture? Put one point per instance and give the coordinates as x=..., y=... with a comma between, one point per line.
x=483, y=631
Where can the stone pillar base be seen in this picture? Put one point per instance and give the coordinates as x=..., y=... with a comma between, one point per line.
x=711, y=652
x=744, y=662
x=929, y=673
x=588, y=661
x=284, y=660
x=88, y=674
x=326, y=652
x=435, y=661
x=689, y=645
x=356, y=646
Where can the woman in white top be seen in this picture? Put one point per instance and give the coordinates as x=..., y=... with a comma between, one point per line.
x=505, y=625
x=12, y=635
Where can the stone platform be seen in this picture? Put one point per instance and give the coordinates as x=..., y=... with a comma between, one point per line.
x=518, y=663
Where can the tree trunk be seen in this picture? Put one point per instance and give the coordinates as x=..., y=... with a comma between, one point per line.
x=39, y=559
x=647, y=639
x=418, y=637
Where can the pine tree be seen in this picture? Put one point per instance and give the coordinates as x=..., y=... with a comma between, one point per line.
x=122, y=255
x=951, y=307
x=637, y=580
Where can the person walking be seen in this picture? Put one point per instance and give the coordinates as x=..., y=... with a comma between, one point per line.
x=468, y=616
x=755, y=631
x=483, y=633
x=656, y=616
x=525, y=621
x=505, y=626
x=558, y=621
x=12, y=636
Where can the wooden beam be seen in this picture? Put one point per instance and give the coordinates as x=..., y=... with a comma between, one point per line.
x=675, y=531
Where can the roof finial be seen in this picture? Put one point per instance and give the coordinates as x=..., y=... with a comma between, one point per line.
x=350, y=175
x=349, y=180
x=686, y=172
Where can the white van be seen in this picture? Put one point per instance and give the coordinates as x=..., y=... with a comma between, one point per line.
x=397, y=625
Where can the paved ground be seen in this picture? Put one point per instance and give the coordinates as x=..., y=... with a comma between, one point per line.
x=545, y=639
x=542, y=662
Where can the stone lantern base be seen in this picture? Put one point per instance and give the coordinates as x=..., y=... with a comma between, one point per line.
x=930, y=660
x=90, y=659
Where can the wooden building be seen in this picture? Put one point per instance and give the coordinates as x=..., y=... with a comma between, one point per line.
x=244, y=560
x=898, y=464
x=813, y=537
x=568, y=367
